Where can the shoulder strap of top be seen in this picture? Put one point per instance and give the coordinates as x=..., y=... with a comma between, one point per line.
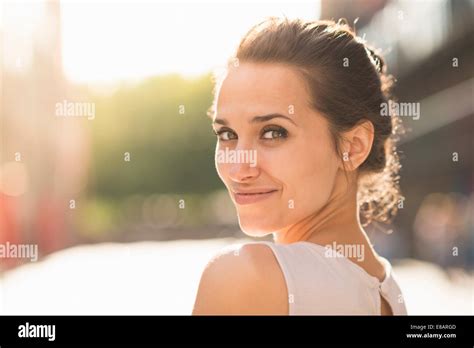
x=391, y=292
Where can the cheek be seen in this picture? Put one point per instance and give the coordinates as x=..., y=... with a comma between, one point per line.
x=308, y=175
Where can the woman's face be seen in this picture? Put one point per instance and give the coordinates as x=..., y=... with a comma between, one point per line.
x=284, y=166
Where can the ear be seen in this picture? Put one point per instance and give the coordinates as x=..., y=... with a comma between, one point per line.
x=356, y=145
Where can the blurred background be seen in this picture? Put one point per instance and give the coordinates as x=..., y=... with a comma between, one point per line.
x=107, y=155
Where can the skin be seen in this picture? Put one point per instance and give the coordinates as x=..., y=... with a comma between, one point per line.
x=316, y=192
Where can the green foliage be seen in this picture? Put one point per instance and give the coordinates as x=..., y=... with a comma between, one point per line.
x=169, y=152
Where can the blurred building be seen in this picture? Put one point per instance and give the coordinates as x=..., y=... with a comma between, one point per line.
x=428, y=46
x=42, y=157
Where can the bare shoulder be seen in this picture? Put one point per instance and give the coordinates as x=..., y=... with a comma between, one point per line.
x=244, y=279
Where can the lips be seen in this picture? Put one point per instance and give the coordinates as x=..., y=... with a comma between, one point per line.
x=252, y=192
x=252, y=196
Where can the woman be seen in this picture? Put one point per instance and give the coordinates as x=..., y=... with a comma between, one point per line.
x=305, y=98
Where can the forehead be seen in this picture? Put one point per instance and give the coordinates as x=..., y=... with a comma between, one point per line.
x=255, y=88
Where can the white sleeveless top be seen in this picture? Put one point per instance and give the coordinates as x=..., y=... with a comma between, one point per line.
x=321, y=285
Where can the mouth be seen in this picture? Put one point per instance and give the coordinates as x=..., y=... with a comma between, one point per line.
x=243, y=198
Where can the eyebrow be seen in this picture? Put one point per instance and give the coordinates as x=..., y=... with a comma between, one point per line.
x=257, y=119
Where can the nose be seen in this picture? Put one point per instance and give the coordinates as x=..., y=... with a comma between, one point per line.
x=243, y=172
x=244, y=168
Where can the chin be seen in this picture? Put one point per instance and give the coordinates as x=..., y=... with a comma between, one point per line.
x=255, y=228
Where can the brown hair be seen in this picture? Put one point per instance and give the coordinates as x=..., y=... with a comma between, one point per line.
x=348, y=83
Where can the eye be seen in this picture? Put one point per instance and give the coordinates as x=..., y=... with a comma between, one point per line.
x=274, y=133
x=225, y=134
